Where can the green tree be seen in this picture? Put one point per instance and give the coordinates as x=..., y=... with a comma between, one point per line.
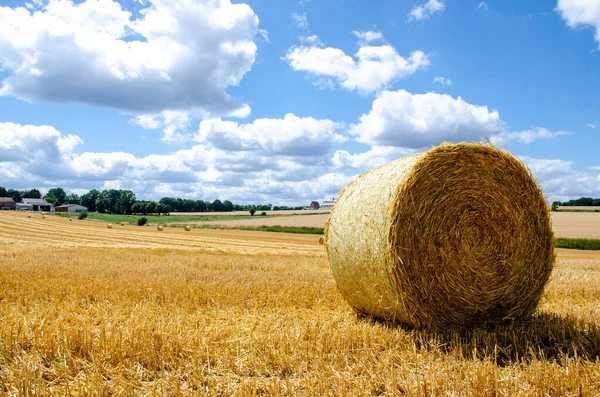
x=200, y=206
x=217, y=206
x=33, y=193
x=252, y=211
x=227, y=206
x=89, y=200
x=125, y=202
x=56, y=196
x=73, y=199
x=3, y=192
x=163, y=209
x=137, y=207
x=107, y=201
x=15, y=194
x=555, y=205
x=150, y=207
x=175, y=204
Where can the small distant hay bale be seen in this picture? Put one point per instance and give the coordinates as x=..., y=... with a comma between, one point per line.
x=159, y=228
x=321, y=240
x=459, y=235
x=122, y=223
x=28, y=215
x=109, y=226
x=188, y=228
x=43, y=216
x=70, y=219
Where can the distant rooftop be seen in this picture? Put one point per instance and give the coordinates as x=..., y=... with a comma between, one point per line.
x=35, y=201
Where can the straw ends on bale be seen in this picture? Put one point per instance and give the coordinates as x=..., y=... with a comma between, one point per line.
x=459, y=235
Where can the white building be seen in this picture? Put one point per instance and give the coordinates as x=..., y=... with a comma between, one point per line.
x=39, y=204
x=71, y=208
x=328, y=202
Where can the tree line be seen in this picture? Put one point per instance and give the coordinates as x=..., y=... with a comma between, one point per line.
x=580, y=202
x=117, y=201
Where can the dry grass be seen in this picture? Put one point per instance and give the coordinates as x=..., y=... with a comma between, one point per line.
x=132, y=312
x=564, y=224
x=576, y=224
x=316, y=220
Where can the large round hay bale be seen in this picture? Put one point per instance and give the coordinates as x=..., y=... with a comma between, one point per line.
x=458, y=235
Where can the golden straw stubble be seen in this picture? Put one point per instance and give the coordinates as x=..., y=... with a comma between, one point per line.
x=459, y=235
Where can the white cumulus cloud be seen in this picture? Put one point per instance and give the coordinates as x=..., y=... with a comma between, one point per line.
x=426, y=10
x=526, y=136
x=402, y=119
x=581, y=13
x=560, y=181
x=367, y=36
x=371, y=69
x=442, y=80
x=176, y=55
x=300, y=21
x=290, y=136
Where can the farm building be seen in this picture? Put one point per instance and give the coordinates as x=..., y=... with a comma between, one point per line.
x=7, y=203
x=39, y=204
x=23, y=207
x=71, y=208
x=328, y=202
x=314, y=205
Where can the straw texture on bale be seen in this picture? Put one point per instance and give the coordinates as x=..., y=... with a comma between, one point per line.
x=458, y=235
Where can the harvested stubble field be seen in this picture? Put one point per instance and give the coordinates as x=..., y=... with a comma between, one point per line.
x=564, y=224
x=85, y=310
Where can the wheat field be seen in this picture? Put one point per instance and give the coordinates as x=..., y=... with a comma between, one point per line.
x=130, y=311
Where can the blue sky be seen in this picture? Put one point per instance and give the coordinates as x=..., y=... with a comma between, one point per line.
x=287, y=101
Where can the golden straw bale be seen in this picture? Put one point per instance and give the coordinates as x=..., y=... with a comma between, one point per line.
x=457, y=235
x=28, y=215
x=321, y=240
x=109, y=226
x=70, y=219
x=188, y=228
x=159, y=228
x=122, y=223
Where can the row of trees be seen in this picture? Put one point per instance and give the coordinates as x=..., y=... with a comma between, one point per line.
x=580, y=202
x=115, y=201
